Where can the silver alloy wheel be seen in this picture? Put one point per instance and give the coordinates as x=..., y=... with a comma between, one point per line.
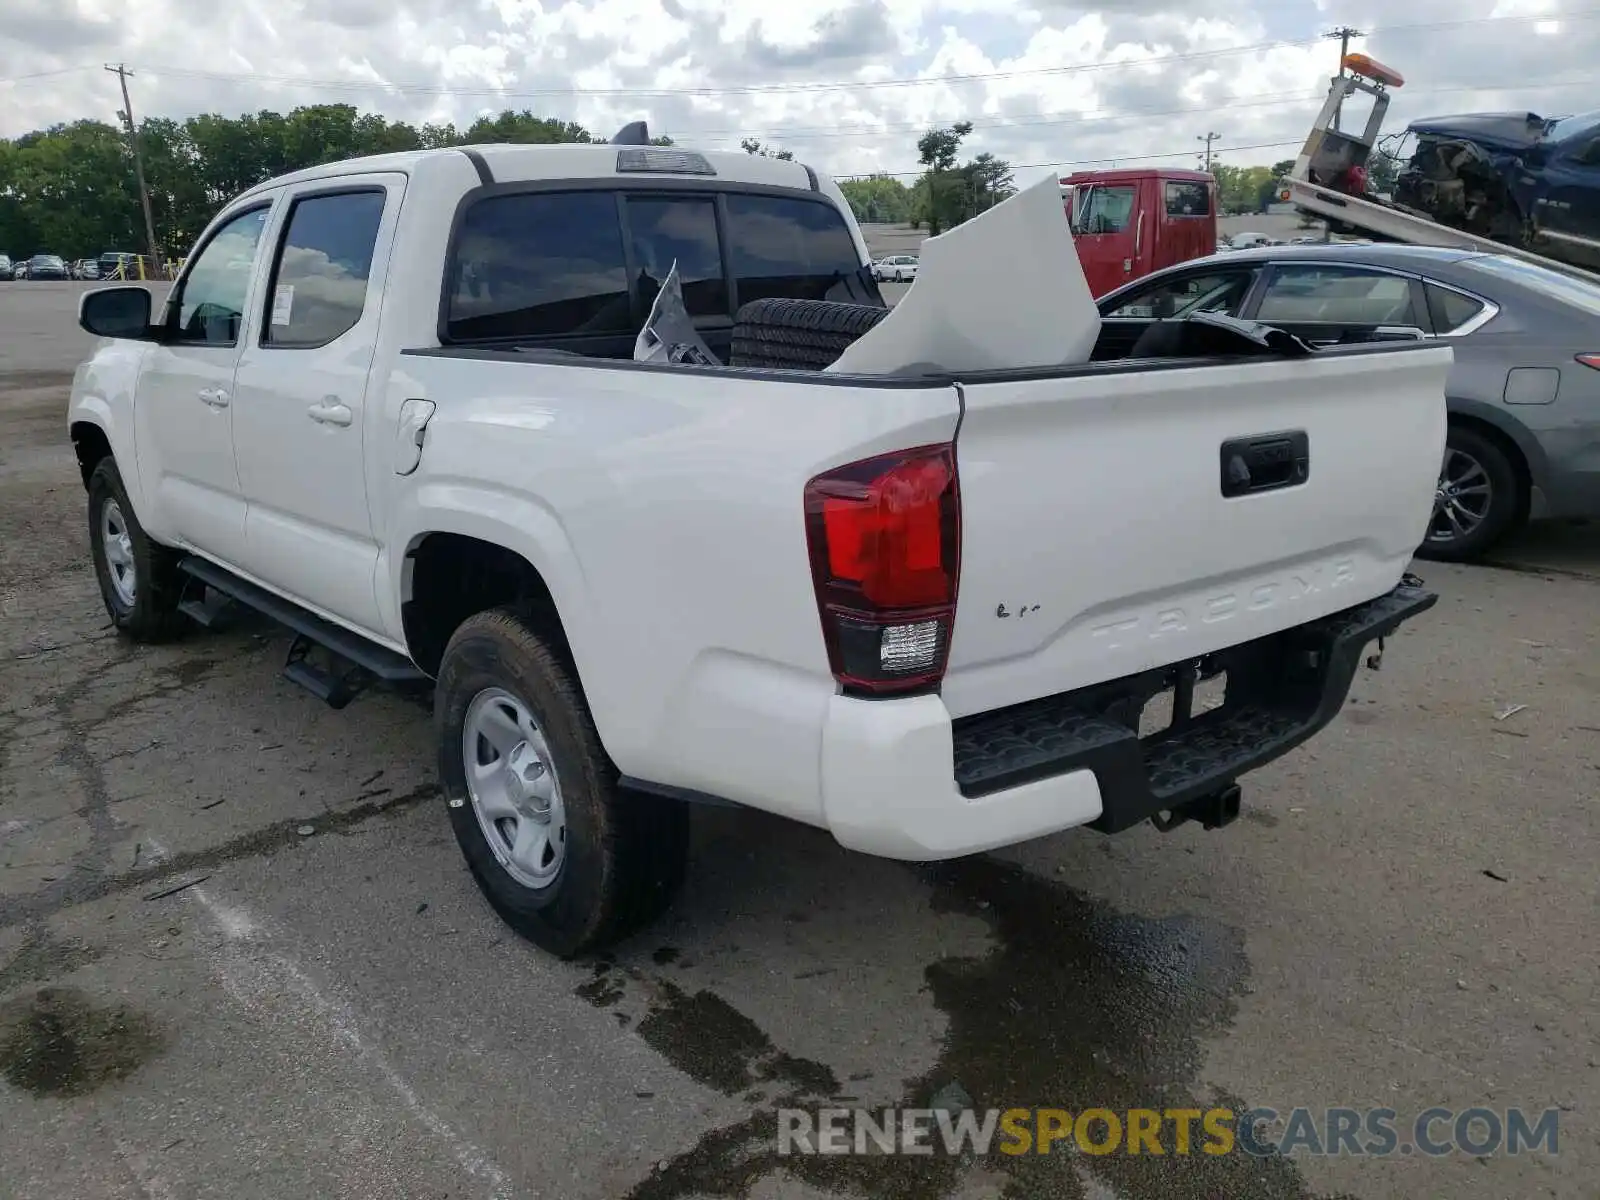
x=1462, y=499
x=512, y=784
x=118, y=546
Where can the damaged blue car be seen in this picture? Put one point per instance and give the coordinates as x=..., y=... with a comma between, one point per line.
x=1518, y=178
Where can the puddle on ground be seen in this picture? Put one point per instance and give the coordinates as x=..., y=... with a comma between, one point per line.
x=1077, y=1006
x=709, y=1040
x=57, y=1042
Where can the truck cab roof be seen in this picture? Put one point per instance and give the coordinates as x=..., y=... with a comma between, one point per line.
x=520, y=163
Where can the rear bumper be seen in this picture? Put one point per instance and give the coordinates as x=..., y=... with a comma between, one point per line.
x=902, y=780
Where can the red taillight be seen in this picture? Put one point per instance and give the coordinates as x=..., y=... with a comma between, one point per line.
x=885, y=540
x=1590, y=360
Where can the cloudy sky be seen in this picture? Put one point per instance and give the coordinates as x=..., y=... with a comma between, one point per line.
x=846, y=84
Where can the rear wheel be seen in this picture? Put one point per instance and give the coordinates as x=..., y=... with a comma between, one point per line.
x=565, y=856
x=139, y=580
x=1476, y=501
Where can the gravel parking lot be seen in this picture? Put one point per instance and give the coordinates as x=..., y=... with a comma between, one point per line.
x=240, y=954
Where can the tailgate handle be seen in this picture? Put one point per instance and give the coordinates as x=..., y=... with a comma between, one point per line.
x=1265, y=463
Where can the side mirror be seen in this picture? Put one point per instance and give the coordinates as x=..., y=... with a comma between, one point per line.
x=117, y=312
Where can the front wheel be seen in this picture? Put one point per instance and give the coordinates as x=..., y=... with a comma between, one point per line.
x=139, y=580
x=1475, y=502
x=566, y=857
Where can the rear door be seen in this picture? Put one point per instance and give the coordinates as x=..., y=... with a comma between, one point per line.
x=1327, y=305
x=1105, y=224
x=301, y=419
x=1098, y=539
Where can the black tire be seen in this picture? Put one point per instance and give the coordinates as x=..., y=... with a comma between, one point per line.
x=152, y=615
x=624, y=854
x=1473, y=460
x=804, y=335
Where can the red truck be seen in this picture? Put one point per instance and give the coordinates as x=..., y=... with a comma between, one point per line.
x=1129, y=223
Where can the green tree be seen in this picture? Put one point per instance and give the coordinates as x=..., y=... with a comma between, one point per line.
x=752, y=146
x=941, y=198
x=524, y=127
x=878, y=198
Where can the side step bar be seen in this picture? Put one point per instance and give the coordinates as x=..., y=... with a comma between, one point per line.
x=350, y=662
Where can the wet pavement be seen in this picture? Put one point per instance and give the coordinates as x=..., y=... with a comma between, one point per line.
x=240, y=955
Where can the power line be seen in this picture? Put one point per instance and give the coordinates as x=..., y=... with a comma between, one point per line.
x=48, y=74
x=1208, y=138
x=1082, y=162
x=838, y=85
x=1051, y=119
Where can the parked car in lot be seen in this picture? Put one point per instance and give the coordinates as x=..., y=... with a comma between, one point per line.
x=6, y=267
x=393, y=403
x=119, y=264
x=1524, y=393
x=46, y=266
x=896, y=268
x=19, y=270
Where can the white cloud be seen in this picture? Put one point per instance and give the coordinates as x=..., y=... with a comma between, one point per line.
x=1048, y=82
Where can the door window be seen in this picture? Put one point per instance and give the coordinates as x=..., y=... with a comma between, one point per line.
x=682, y=230
x=786, y=247
x=209, y=303
x=1337, y=296
x=542, y=264
x=319, y=283
x=1105, y=210
x=1218, y=291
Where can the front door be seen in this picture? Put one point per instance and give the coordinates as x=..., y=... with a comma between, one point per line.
x=1105, y=225
x=183, y=410
x=302, y=427
x=1181, y=294
x=1571, y=203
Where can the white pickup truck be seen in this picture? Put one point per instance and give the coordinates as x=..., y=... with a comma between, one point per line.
x=392, y=403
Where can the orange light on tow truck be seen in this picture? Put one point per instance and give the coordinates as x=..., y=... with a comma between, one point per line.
x=1360, y=64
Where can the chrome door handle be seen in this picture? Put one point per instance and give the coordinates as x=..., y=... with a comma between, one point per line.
x=332, y=413
x=215, y=397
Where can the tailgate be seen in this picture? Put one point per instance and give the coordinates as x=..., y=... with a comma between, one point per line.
x=1097, y=540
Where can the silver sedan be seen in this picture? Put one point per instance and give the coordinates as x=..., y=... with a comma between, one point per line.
x=1524, y=394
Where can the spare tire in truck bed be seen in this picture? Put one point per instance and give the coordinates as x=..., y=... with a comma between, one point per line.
x=798, y=335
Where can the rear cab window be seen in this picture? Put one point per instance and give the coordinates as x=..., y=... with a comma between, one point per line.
x=1186, y=199
x=580, y=269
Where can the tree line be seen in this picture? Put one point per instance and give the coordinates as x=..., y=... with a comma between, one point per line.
x=70, y=189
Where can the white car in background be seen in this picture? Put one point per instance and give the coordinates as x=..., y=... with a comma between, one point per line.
x=895, y=268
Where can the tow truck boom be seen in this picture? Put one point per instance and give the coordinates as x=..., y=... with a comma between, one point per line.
x=1329, y=181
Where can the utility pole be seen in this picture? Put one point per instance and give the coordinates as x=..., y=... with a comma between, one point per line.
x=1208, y=139
x=121, y=71
x=1344, y=33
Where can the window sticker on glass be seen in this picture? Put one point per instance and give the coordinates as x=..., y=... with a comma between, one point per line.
x=283, y=304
